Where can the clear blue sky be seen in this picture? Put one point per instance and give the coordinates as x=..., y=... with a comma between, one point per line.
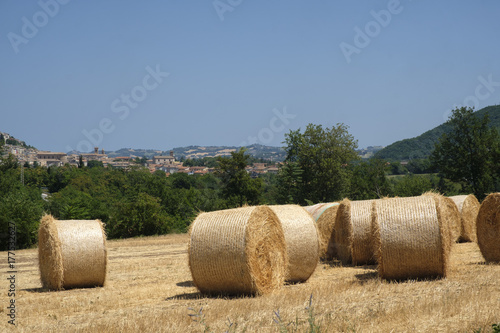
x=80, y=67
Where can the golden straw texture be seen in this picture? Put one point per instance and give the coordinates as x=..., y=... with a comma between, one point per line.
x=488, y=228
x=71, y=254
x=325, y=215
x=317, y=210
x=450, y=215
x=301, y=239
x=50, y=255
x=353, y=237
x=237, y=251
x=410, y=238
x=468, y=206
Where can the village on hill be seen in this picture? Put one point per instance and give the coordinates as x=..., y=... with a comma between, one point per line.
x=30, y=156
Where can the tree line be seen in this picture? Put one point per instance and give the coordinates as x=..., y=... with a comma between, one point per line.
x=321, y=165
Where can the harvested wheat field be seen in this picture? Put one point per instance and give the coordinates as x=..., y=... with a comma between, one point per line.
x=149, y=288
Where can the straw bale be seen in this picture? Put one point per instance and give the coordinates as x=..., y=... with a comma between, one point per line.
x=325, y=215
x=410, y=238
x=317, y=210
x=71, y=254
x=488, y=228
x=468, y=206
x=301, y=239
x=450, y=214
x=353, y=236
x=237, y=251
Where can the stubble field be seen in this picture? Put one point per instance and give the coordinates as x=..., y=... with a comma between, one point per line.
x=149, y=289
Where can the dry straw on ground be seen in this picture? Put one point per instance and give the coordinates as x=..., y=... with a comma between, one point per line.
x=488, y=228
x=71, y=254
x=468, y=206
x=325, y=214
x=301, y=239
x=237, y=251
x=411, y=238
x=353, y=236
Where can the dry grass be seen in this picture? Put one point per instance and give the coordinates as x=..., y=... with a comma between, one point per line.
x=149, y=289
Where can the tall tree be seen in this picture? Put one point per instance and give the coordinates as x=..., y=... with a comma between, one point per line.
x=322, y=157
x=237, y=185
x=369, y=180
x=470, y=153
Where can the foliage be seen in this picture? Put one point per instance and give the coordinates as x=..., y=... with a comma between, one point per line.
x=320, y=172
x=414, y=185
x=140, y=215
x=289, y=182
x=237, y=185
x=22, y=205
x=94, y=164
x=470, y=153
x=369, y=180
x=210, y=162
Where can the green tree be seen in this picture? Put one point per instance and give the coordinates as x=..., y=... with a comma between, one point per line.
x=237, y=185
x=141, y=215
x=470, y=153
x=23, y=207
x=289, y=183
x=94, y=164
x=323, y=156
x=369, y=180
x=414, y=185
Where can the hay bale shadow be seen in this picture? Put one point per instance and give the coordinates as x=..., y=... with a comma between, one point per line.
x=37, y=290
x=186, y=296
x=332, y=262
x=365, y=277
x=185, y=284
x=199, y=295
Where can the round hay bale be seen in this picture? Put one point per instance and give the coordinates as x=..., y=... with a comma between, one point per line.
x=410, y=237
x=237, y=251
x=468, y=206
x=301, y=239
x=317, y=210
x=325, y=215
x=71, y=254
x=488, y=228
x=353, y=237
x=450, y=214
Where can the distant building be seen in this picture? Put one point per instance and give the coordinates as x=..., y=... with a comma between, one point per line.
x=95, y=156
x=273, y=170
x=170, y=159
x=169, y=168
x=48, y=158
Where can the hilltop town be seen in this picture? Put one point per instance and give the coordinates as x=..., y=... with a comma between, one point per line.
x=168, y=163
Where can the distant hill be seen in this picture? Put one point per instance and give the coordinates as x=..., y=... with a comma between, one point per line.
x=258, y=151
x=7, y=139
x=369, y=152
x=423, y=145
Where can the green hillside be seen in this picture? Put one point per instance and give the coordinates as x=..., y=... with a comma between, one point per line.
x=423, y=145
